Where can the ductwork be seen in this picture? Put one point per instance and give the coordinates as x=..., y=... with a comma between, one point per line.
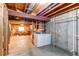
x=31, y=6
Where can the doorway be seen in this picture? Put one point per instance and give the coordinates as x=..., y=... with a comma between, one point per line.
x=20, y=38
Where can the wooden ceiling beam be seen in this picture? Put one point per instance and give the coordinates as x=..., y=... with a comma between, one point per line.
x=48, y=8
x=11, y=6
x=24, y=15
x=53, y=8
x=55, y=12
x=75, y=6
x=20, y=6
x=42, y=11
x=19, y=22
x=39, y=8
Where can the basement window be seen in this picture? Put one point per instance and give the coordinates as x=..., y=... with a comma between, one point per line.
x=21, y=28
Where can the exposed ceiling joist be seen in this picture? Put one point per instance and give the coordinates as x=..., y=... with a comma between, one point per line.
x=75, y=6
x=54, y=8
x=61, y=9
x=45, y=9
x=20, y=6
x=40, y=8
x=19, y=22
x=48, y=8
x=11, y=6
x=24, y=15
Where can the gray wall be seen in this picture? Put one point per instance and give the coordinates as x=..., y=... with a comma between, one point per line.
x=64, y=30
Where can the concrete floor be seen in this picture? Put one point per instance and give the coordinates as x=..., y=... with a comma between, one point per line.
x=22, y=46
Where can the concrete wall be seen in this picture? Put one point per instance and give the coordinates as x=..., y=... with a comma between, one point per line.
x=64, y=30
x=78, y=31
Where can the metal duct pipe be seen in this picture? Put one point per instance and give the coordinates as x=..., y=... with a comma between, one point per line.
x=30, y=8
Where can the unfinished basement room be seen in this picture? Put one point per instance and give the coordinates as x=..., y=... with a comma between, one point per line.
x=39, y=29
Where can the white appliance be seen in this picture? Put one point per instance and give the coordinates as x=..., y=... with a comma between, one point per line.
x=42, y=39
